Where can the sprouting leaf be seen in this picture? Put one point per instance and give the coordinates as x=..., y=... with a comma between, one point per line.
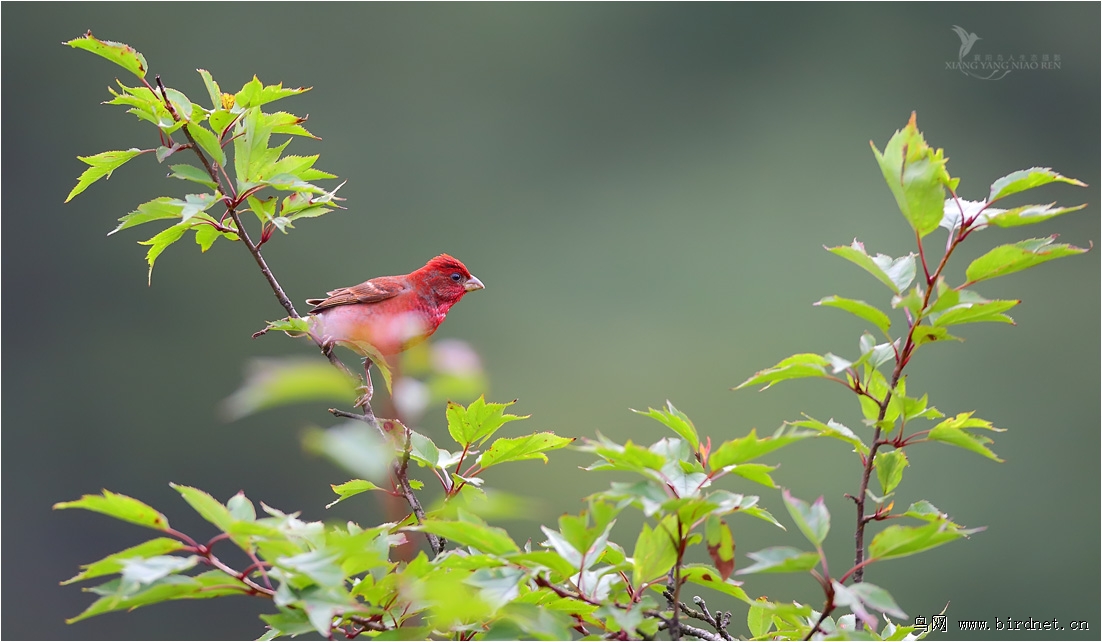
x=954, y=431
x=122, y=55
x=676, y=421
x=478, y=421
x=916, y=176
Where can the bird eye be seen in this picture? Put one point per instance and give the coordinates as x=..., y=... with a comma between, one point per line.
x=457, y=277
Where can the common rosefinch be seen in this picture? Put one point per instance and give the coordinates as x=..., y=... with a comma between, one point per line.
x=388, y=314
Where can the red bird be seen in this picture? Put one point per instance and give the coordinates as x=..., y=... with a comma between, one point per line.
x=391, y=313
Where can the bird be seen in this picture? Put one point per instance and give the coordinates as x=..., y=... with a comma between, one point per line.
x=387, y=315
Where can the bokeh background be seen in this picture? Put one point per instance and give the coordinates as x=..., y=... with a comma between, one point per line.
x=645, y=190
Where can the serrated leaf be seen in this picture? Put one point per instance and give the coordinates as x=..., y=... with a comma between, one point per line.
x=896, y=273
x=758, y=473
x=1025, y=179
x=478, y=421
x=1010, y=258
x=654, y=554
x=780, y=559
x=159, y=242
x=744, y=449
x=859, y=309
x=795, y=367
x=122, y=55
x=889, y=469
x=954, y=431
x=916, y=176
x=833, y=430
x=1029, y=214
x=676, y=421
x=121, y=507
x=901, y=541
x=704, y=575
x=924, y=334
x=113, y=563
x=214, y=92
x=155, y=210
x=145, y=571
x=102, y=165
x=812, y=519
x=521, y=448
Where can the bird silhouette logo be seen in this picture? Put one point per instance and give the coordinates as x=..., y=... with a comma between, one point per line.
x=967, y=41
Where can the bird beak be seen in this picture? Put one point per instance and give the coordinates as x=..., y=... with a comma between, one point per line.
x=473, y=284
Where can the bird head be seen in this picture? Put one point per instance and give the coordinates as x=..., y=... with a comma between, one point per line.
x=448, y=278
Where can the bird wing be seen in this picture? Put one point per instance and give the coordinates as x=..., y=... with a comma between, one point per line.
x=372, y=291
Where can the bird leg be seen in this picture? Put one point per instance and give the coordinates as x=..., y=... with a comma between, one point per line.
x=364, y=401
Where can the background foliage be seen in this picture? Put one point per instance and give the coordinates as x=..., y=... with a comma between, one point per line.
x=644, y=190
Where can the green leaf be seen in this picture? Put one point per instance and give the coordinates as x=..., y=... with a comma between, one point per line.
x=901, y=541
x=795, y=367
x=292, y=326
x=213, y=91
x=208, y=507
x=320, y=566
x=121, y=507
x=704, y=575
x=1007, y=259
x=833, y=430
x=655, y=553
x=759, y=619
x=478, y=421
x=241, y=508
x=924, y=334
x=1025, y=179
x=1027, y=214
x=194, y=174
x=159, y=242
x=897, y=274
x=174, y=587
x=975, y=312
x=744, y=449
x=780, y=559
x=270, y=383
x=155, y=210
x=676, y=421
x=721, y=545
x=889, y=469
x=350, y=488
x=122, y=55
x=102, y=165
x=353, y=446
x=479, y=535
x=145, y=571
x=813, y=520
x=208, y=141
x=954, y=431
x=877, y=599
x=114, y=563
x=758, y=473
x=859, y=309
x=521, y=448
x=916, y=176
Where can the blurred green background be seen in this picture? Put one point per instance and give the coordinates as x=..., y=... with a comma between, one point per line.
x=645, y=190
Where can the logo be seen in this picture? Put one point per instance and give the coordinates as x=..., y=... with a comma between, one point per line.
x=998, y=66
